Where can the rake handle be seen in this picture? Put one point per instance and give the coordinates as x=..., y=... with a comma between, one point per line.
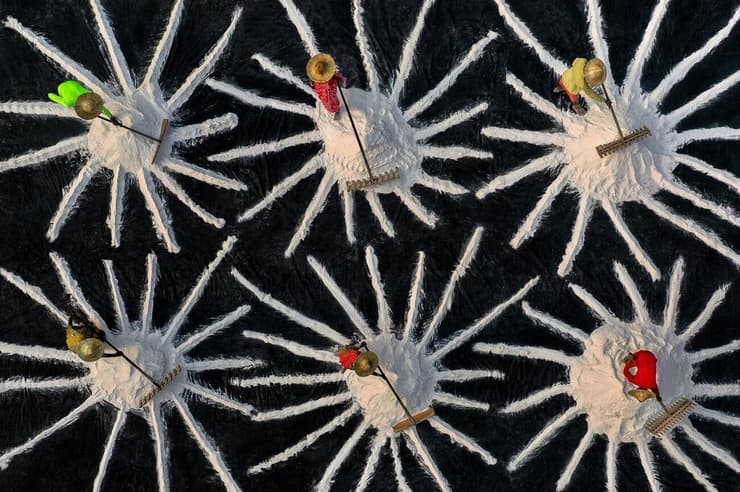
x=354, y=129
x=614, y=115
x=382, y=375
x=151, y=379
x=118, y=123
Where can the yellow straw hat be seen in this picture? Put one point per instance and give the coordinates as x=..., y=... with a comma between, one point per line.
x=594, y=72
x=321, y=68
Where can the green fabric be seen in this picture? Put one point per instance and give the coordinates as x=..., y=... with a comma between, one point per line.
x=575, y=83
x=69, y=91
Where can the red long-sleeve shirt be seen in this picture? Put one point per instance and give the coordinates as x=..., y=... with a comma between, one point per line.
x=327, y=92
x=647, y=371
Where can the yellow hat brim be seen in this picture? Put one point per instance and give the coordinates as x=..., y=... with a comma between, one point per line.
x=320, y=74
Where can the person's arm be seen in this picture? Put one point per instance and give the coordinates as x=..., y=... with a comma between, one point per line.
x=629, y=365
x=593, y=95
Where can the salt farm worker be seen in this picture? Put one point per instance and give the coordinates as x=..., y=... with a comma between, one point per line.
x=322, y=70
x=69, y=91
x=641, y=369
x=348, y=355
x=580, y=77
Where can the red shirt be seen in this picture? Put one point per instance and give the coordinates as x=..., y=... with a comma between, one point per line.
x=347, y=357
x=327, y=92
x=647, y=371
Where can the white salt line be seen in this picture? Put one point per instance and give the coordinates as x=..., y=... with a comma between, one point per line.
x=283, y=187
x=115, y=55
x=595, y=306
x=718, y=297
x=704, y=235
x=37, y=108
x=108, y=451
x=352, y=313
x=414, y=205
x=164, y=46
x=296, y=379
x=222, y=400
x=449, y=80
x=463, y=375
x=403, y=486
x=314, y=208
x=197, y=291
x=293, y=347
x=452, y=120
x=540, y=164
x=384, y=311
x=644, y=50
x=526, y=36
x=646, y=459
x=283, y=73
x=721, y=417
x=575, y=460
x=115, y=293
x=377, y=209
x=536, y=398
x=452, y=152
x=55, y=55
x=161, y=453
x=304, y=31
x=68, y=203
x=253, y=99
x=117, y=195
x=416, y=297
x=702, y=355
x=535, y=100
x=543, y=138
x=208, y=331
x=33, y=158
x=458, y=401
x=37, y=352
x=680, y=458
x=206, y=128
x=36, y=294
x=201, y=72
x=578, y=235
x=160, y=217
x=556, y=325
x=174, y=187
x=409, y=52
x=71, y=417
x=342, y=455
x=716, y=390
x=222, y=364
x=678, y=72
x=679, y=189
x=701, y=134
x=348, y=205
x=461, y=439
x=670, y=313
x=703, y=99
x=462, y=336
x=596, y=34
x=423, y=456
x=541, y=439
x=440, y=185
x=304, y=443
x=203, y=175
x=445, y=301
x=147, y=299
x=532, y=222
x=363, y=43
x=709, y=447
x=267, y=147
x=612, y=447
x=72, y=288
x=536, y=353
x=317, y=327
x=371, y=462
x=30, y=385
x=207, y=445
x=638, y=303
x=310, y=406
x=700, y=166
x=634, y=246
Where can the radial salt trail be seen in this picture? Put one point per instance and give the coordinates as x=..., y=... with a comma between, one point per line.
x=37, y=352
x=532, y=222
x=174, y=188
x=267, y=147
x=512, y=177
x=413, y=437
x=317, y=204
x=213, y=397
x=459, y=438
x=640, y=255
x=416, y=296
x=536, y=398
x=644, y=50
x=115, y=216
x=293, y=347
x=161, y=453
x=37, y=108
x=282, y=72
x=348, y=204
x=646, y=459
x=222, y=364
x=296, y=17
x=122, y=320
x=147, y=299
x=160, y=217
x=73, y=290
x=537, y=353
x=208, y=331
x=341, y=456
x=554, y=324
x=372, y=462
x=638, y=304
x=30, y=385
x=670, y=313
x=68, y=203
x=458, y=401
x=457, y=118
x=108, y=451
x=595, y=306
x=574, y=461
x=681, y=459
x=709, y=447
x=253, y=99
x=117, y=60
x=398, y=470
x=36, y=157
x=363, y=43
x=294, y=410
x=204, y=129
x=36, y=294
x=162, y=51
x=547, y=433
x=297, y=379
x=377, y=209
x=384, y=311
x=578, y=236
x=612, y=447
x=718, y=297
x=409, y=52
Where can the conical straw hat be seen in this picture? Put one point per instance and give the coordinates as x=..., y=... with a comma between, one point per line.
x=594, y=72
x=321, y=68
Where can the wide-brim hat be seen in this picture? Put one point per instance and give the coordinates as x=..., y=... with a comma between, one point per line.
x=321, y=68
x=594, y=72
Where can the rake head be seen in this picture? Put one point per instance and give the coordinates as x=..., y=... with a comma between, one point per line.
x=674, y=414
x=359, y=184
x=611, y=147
x=418, y=418
x=167, y=380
